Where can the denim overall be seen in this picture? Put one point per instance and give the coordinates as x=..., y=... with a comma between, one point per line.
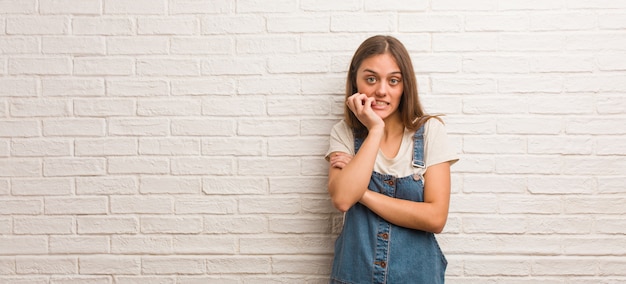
x=372, y=250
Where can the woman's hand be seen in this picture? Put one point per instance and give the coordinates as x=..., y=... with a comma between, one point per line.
x=339, y=160
x=361, y=106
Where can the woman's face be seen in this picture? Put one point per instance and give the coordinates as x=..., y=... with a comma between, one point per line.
x=379, y=76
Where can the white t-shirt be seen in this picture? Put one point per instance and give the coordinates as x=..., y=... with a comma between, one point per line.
x=436, y=149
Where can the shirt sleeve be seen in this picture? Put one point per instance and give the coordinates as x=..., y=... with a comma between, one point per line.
x=436, y=145
x=341, y=140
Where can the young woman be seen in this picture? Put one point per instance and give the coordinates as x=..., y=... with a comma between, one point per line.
x=389, y=172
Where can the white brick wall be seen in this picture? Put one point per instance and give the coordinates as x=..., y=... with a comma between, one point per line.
x=181, y=141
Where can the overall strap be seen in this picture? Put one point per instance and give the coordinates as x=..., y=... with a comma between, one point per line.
x=357, y=142
x=418, y=148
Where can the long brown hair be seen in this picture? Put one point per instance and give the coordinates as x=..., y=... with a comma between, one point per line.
x=410, y=108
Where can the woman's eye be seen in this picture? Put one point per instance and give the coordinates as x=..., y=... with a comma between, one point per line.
x=394, y=81
x=371, y=80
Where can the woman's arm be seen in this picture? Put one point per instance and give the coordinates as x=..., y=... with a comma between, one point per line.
x=348, y=177
x=430, y=215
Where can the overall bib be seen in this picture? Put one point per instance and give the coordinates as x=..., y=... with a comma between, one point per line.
x=372, y=250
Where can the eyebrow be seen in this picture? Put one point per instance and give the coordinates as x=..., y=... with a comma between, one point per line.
x=372, y=71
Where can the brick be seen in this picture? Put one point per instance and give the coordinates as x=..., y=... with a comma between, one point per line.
x=138, y=127
x=497, y=266
x=107, y=225
x=298, y=106
x=169, y=107
x=530, y=5
x=458, y=85
x=298, y=24
x=408, y=22
x=110, y=264
x=382, y=22
x=46, y=265
x=19, y=7
x=464, y=42
x=138, y=165
x=105, y=147
x=611, y=146
x=239, y=224
x=201, y=166
x=171, y=225
x=307, y=63
x=530, y=165
x=283, y=185
x=19, y=45
x=173, y=265
x=593, y=205
x=268, y=166
x=560, y=145
x=79, y=244
x=40, y=147
x=141, y=205
x=506, y=244
x=267, y=86
x=89, y=7
x=21, y=206
x=141, y=244
x=495, y=64
x=610, y=184
x=144, y=45
x=272, y=45
x=611, y=61
x=232, y=146
x=170, y=185
x=200, y=244
x=501, y=145
x=241, y=107
x=203, y=127
x=610, y=225
x=316, y=265
x=220, y=45
x=530, y=42
x=164, y=279
x=42, y=186
x=102, y=26
x=611, y=20
x=104, y=67
x=539, y=85
x=13, y=245
x=72, y=87
x=18, y=87
x=266, y=205
x=205, y=205
x=468, y=204
x=494, y=225
x=611, y=267
x=301, y=146
x=600, y=41
x=588, y=83
x=40, y=25
x=329, y=5
x=106, y=185
x=496, y=22
x=4, y=187
x=79, y=45
x=75, y=205
x=239, y=24
x=608, y=246
x=43, y=225
x=20, y=167
x=40, y=66
x=40, y=108
x=7, y=266
x=234, y=185
x=239, y=265
x=300, y=225
x=234, y=66
x=141, y=7
x=205, y=86
x=285, y=245
x=206, y=6
x=132, y=88
x=167, y=26
x=548, y=225
x=598, y=126
x=74, y=127
x=169, y=146
x=168, y=67
x=104, y=107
